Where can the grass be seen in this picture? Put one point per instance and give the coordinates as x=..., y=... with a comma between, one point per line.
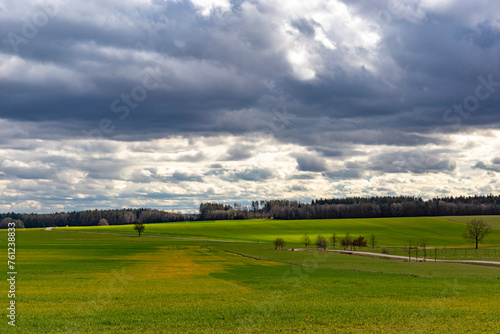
x=100, y=283
x=494, y=221
x=389, y=231
x=445, y=253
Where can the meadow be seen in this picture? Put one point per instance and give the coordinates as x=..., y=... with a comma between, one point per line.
x=389, y=231
x=73, y=282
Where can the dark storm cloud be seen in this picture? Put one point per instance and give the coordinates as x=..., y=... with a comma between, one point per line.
x=217, y=68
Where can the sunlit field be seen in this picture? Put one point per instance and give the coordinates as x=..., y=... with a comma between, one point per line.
x=389, y=231
x=73, y=282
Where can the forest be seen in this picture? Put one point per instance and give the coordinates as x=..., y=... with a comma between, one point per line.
x=351, y=207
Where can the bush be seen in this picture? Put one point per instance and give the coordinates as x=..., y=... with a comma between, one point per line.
x=279, y=243
x=359, y=242
x=346, y=241
x=306, y=240
x=321, y=242
x=385, y=250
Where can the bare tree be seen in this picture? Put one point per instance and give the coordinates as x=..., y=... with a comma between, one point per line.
x=333, y=239
x=129, y=217
x=103, y=222
x=476, y=230
x=306, y=240
x=408, y=248
x=139, y=227
x=346, y=241
x=423, y=245
x=321, y=242
x=373, y=240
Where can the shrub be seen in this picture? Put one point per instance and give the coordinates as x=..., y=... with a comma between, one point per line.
x=321, y=242
x=306, y=240
x=359, y=242
x=346, y=241
x=279, y=243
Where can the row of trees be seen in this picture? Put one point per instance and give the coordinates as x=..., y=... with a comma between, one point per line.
x=475, y=231
x=346, y=242
x=355, y=207
x=352, y=207
x=98, y=217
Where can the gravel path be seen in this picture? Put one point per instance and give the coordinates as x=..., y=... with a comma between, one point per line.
x=404, y=258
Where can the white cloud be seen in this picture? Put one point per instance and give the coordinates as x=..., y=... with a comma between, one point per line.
x=206, y=7
x=38, y=176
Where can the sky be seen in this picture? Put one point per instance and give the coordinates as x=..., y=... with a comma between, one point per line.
x=170, y=103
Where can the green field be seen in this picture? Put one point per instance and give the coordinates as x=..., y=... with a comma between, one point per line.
x=73, y=282
x=389, y=231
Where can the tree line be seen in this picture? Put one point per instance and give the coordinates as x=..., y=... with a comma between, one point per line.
x=351, y=207
x=355, y=207
x=97, y=217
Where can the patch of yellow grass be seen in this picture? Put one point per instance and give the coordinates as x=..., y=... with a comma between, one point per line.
x=185, y=261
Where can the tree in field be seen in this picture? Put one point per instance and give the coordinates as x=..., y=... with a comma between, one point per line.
x=423, y=245
x=321, y=242
x=333, y=239
x=306, y=240
x=409, y=248
x=103, y=222
x=359, y=242
x=139, y=227
x=346, y=241
x=279, y=243
x=373, y=240
x=476, y=230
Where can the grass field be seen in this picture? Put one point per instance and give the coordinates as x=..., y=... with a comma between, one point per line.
x=389, y=231
x=494, y=221
x=71, y=282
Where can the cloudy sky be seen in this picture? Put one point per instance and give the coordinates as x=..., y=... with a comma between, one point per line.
x=167, y=103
